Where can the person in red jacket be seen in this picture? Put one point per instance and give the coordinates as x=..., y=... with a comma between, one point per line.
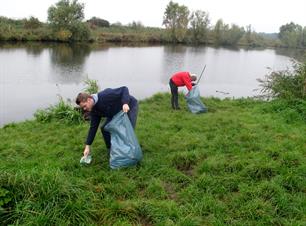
x=180, y=79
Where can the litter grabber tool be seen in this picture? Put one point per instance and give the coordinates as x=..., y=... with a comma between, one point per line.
x=201, y=75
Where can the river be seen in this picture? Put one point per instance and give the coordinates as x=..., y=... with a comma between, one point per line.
x=34, y=75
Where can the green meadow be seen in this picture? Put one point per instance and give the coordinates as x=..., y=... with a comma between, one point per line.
x=242, y=163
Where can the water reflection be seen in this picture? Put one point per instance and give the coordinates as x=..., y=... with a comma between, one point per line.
x=68, y=62
x=34, y=49
x=175, y=49
x=295, y=54
x=172, y=61
x=97, y=47
x=232, y=48
x=31, y=48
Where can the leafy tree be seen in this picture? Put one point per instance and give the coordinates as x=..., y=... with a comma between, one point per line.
x=176, y=21
x=66, y=17
x=65, y=13
x=117, y=24
x=248, y=34
x=253, y=39
x=219, y=31
x=233, y=35
x=32, y=23
x=17, y=24
x=291, y=35
x=199, y=22
x=226, y=35
x=136, y=25
x=304, y=37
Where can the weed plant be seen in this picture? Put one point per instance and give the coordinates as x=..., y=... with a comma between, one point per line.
x=285, y=84
x=91, y=86
x=287, y=92
x=63, y=111
x=238, y=164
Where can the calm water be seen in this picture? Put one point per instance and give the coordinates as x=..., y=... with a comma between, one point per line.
x=32, y=76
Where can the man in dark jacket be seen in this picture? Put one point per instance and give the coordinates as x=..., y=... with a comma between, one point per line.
x=106, y=103
x=180, y=79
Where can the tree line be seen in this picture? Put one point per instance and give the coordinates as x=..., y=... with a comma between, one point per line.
x=66, y=24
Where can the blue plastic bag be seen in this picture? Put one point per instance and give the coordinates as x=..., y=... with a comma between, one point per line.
x=125, y=149
x=194, y=102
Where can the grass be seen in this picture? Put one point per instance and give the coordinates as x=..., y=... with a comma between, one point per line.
x=239, y=164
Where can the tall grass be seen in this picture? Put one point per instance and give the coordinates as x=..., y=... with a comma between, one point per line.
x=65, y=111
x=62, y=111
x=91, y=86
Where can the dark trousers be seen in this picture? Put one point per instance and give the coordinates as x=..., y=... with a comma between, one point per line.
x=174, y=95
x=132, y=114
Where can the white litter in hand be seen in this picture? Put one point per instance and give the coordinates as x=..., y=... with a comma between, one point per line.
x=86, y=159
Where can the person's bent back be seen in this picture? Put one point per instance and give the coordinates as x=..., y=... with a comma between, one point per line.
x=177, y=80
x=106, y=103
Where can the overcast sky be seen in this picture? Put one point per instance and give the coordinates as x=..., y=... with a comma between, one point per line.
x=263, y=15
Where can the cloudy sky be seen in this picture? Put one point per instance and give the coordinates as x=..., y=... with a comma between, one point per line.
x=263, y=15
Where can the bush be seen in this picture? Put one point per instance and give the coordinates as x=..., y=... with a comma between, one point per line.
x=287, y=89
x=32, y=23
x=63, y=35
x=285, y=84
x=80, y=32
x=63, y=111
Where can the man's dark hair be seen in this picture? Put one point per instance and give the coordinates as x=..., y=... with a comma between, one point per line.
x=82, y=97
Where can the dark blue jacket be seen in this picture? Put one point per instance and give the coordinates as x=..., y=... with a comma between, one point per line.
x=109, y=103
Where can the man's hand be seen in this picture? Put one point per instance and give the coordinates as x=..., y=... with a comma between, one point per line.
x=125, y=108
x=86, y=150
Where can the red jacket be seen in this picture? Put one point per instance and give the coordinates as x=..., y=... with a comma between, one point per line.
x=182, y=79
